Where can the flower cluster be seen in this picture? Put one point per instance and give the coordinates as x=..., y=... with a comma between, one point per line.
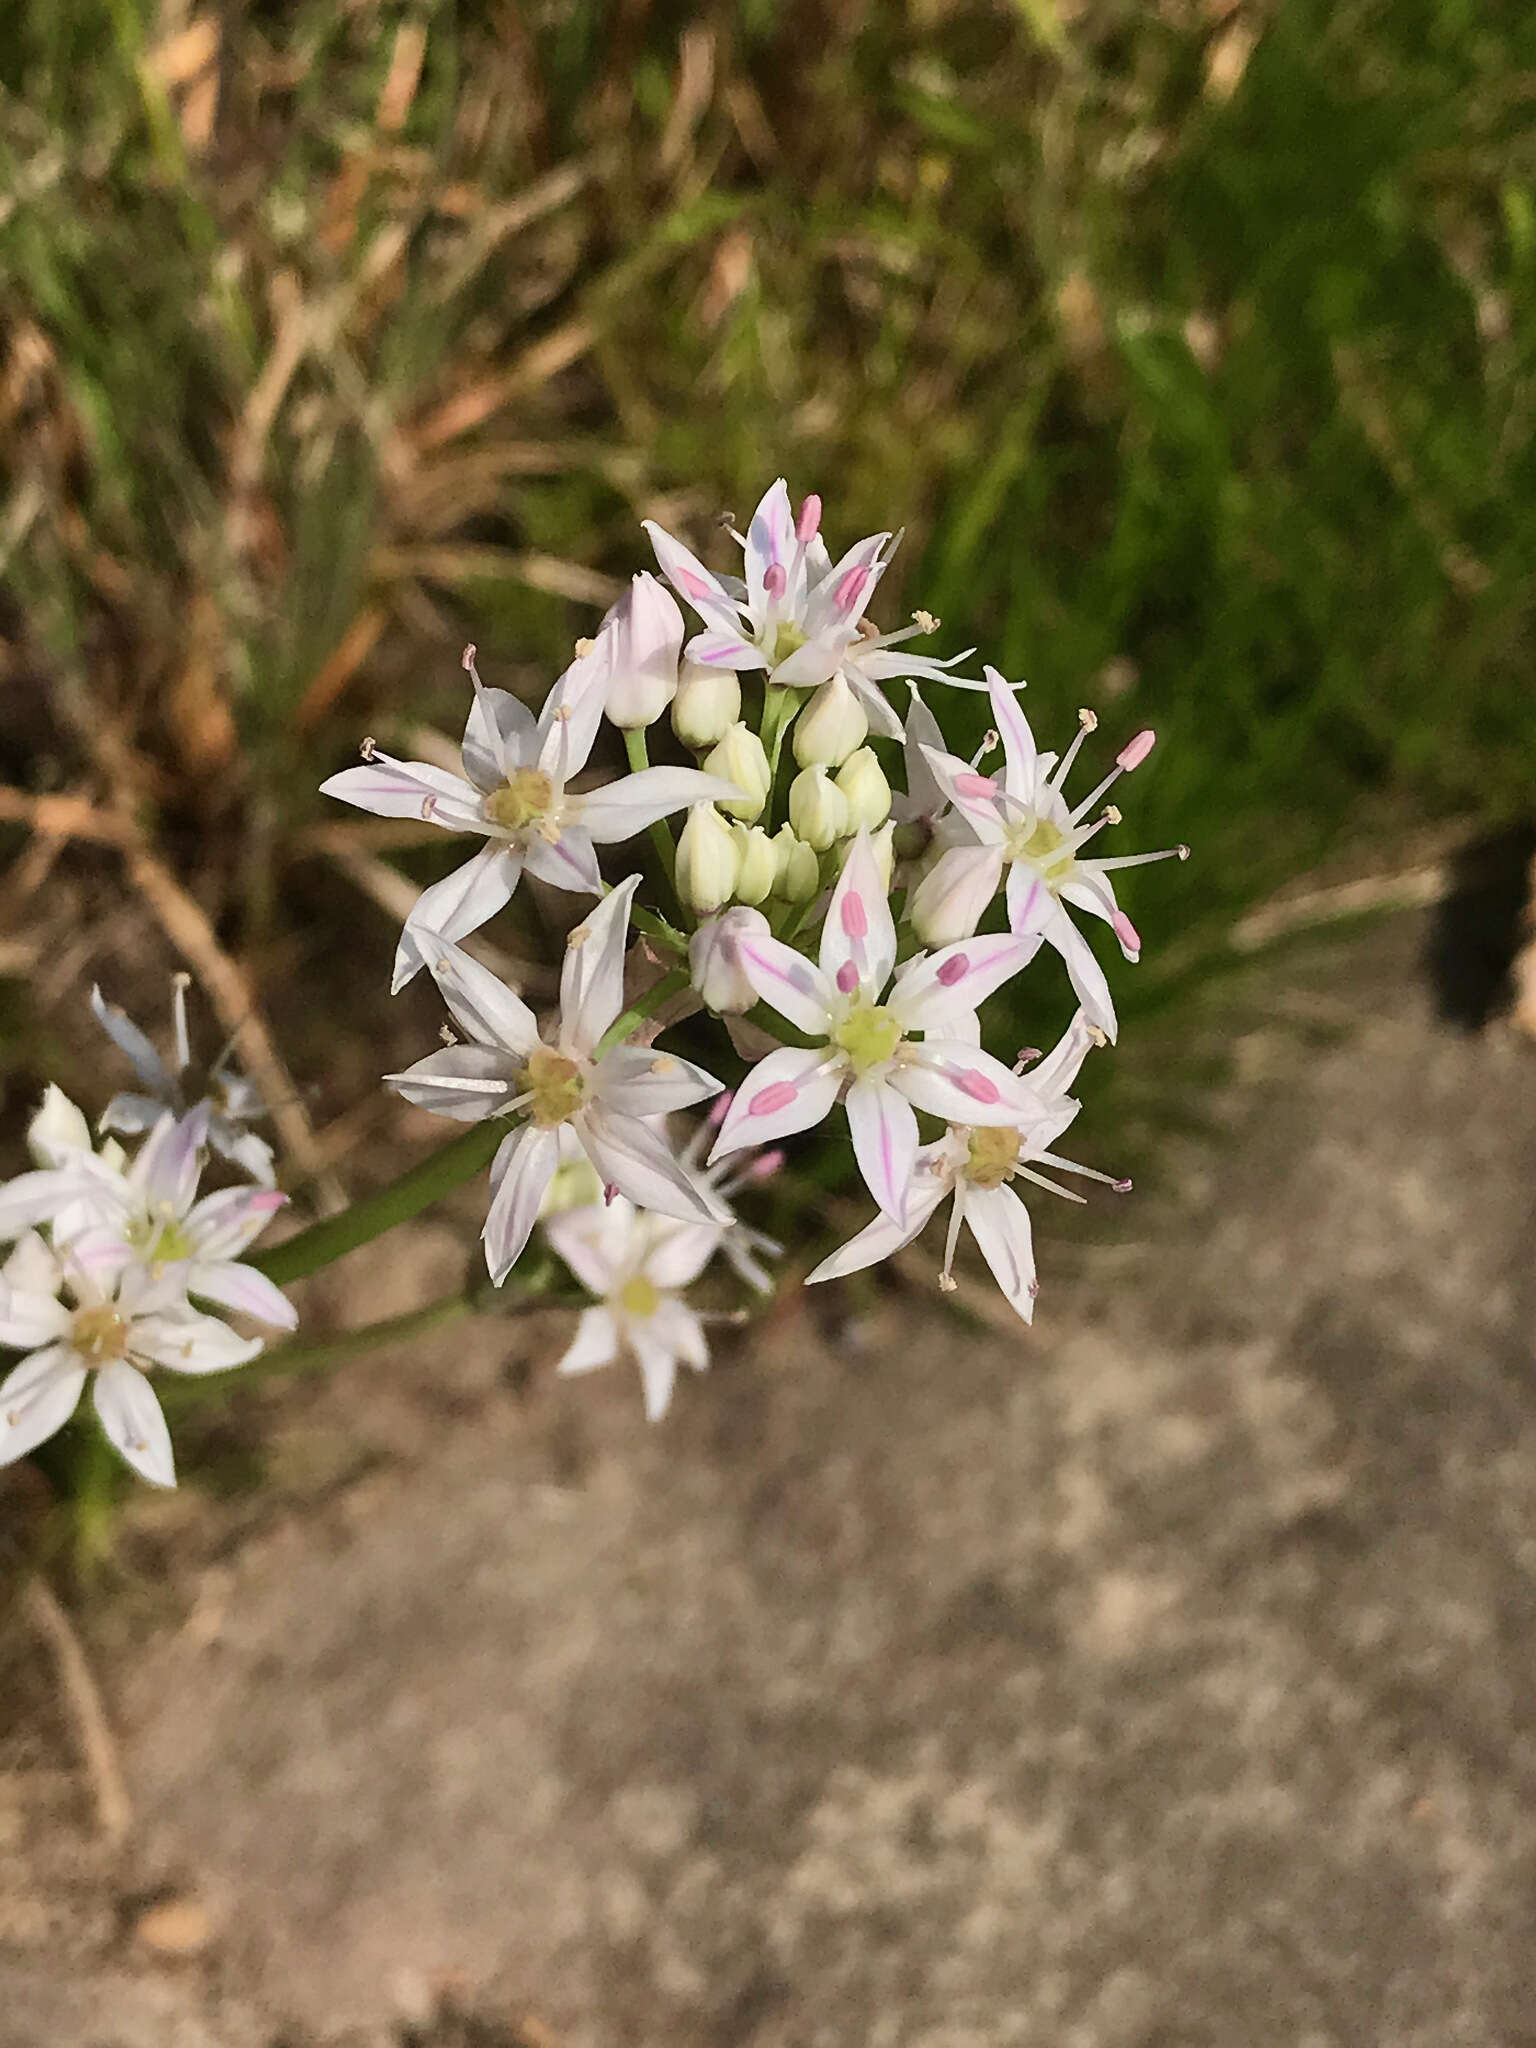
x=845, y=891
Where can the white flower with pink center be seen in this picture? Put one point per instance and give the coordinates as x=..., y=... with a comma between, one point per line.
x=886, y=1052
x=797, y=614
x=1021, y=825
x=973, y=1165
x=515, y=791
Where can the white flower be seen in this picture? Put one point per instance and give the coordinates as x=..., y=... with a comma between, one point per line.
x=974, y=1165
x=644, y=631
x=714, y=960
x=514, y=791
x=869, y=1046
x=116, y=1322
x=561, y=1086
x=637, y=1265
x=1024, y=827
x=708, y=860
x=233, y=1102
x=797, y=614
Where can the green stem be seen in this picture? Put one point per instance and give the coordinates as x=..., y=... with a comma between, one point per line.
x=779, y=708
x=661, y=833
x=658, y=993
x=658, y=929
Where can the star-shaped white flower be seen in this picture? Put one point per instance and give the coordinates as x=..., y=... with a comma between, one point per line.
x=798, y=614
x=1022, y=826
x=915, y=1044
x=233, y=1102
x=974, y=1165
x=92, y=1311
x=637, y=1265
x=563, y=1085
x=515, y=792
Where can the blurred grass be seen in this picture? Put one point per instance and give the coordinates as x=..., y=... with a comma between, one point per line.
x=1191, y=343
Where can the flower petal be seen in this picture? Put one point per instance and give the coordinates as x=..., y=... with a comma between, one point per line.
x=520, y=1176
x=658, y=1369
x=222, y=1224
x=630, y=1156
x=770, y=543
x=638, y=1081
x=37, y=1397
x=573, y=710
x=599, y=1242
x=878, y=708
x=859, y=929
x=877, y=1240
x=1022, y=776
x=595, y=1343
x=976, y=797
x=33, y=1198
x=183, y=1340
x=465, y=1082
x=592, y=975
x=692, y=581
x=131, y=1115
x=483, y=1004
x=788, y=982
x=1000, y=1225
x=500, y=737
x=253, y=1155
x=29, y=1320
x=1054, y=1075
x=789, y=1091
x=677, y=1326
x=128, y=1038
x=135, y=1427
x=959, y=1082
x=170, y=1161
x=1031, y=906
x=452, y=908
x=409, y=789
x=841, y=596
x=951, y=899
x=679, y=1252
x=243, y=1289
x=884, y=1132
x=621, y=809
x=725, y=650
x=931, y=988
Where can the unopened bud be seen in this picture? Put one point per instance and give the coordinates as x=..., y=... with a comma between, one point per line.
x=738, y=757
x=58, y=1129
x=830, y=726
x=707, y=701
x=714, y=960
x=797, y=872
x=948, y=902
x=758, y=865
x=818, y=810
x=863, y=783
x=707, y=860
x=644, y=634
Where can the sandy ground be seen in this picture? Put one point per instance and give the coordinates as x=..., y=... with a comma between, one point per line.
x=1165, y=1678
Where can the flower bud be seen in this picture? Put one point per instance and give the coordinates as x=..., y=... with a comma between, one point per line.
x=830, y=726
x=714, y=960
x=739, y=757
x=707, y=700
x=707, y=860
x=802, y=874
x=758, y=866
x=863, y=783
x=882, y=846
x=644, y=633
x=57, y=1130
x=818, y=810
x=948, y=902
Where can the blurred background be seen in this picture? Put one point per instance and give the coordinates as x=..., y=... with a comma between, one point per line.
x=1191, y=343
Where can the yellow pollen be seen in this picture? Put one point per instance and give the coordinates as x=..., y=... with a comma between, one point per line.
x=98, y=1335
x=555, y=1084
x=639, y=1297
x=869, y=1036
x=994, y=1152
x=520, y=802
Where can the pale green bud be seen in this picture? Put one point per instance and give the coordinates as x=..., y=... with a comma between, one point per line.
x=818, y=810
x=863, y=783
x=739, y=757
x=802, y=873
x=707, y=860
x=758, y=865
x=707, y=701
x=830, y=726
x=59, y=1131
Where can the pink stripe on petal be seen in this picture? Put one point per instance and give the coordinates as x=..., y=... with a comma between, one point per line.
x=847, y=978
x=978, y=1085
x=953, y=970
x=769, y=1101
x=1136, y=750
x=975, y=785
x=855, y=916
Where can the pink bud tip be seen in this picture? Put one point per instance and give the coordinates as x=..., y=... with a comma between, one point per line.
x=693, y=586
x=975, y=785
x=770, y=1100
x=855, y=916
x=847, y=978
x=775, y=579
x=1126, y=932
x=720, y=1109
x=766, y=1164
x=956, y=968
x=850, y=590
x=807, y=525
x=1136, y=750
x=1121, y=1187
x=980, y=1087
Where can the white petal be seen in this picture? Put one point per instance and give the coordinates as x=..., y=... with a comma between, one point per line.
x=637, y=1081
x=243, y=1289
x=842, y=594
x=465, y=1082
x=573, y=710
x=878, y=709
x=1000, y=1225
x=770, y=541
x=658, y=1369
x=452, y=908
x=924, y=796
x=37, y=1398
x=675, y=1325
x=1088, y=979
x=964, y=1085
x=877, y=1240
x=976, y=797
x=32, y=1199
x=788, y=982
x=679, y=1252
x=727, y=649
x=131, y=1417
x=884, y=1132
x=483, y=1004
x=691, y=580
x=592, y=976
x=170, y=1161
x=952, y=897
x=600, y=1242
x=31, y=1318
x=1055, y=1074
x=1021, y=778
x=182, y=1340
x=567, y=861
x=253, y=1155
x=31, y=1267
x=621, y=809
x=409, y=789
x=520, y=1176
x=127, y=1036
x=814, y=664
x=223, y=1224
x=789, y=1091
x=500, y=737
x=930, y=988
x=630, y=1156
x=595, y=1343
x=859, y=930
x=130, y=1115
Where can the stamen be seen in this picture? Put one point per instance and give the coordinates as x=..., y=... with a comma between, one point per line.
x=610, y=1193
x=954, y=969
x=1040, y=1181
x=1141, y=860
x=770, y=1100
x=847, y=978
x=1087, y=722
x=720, y=1109
x=1136, y=750
x=180, y=983
x=369, y=748
x=1028, y=1054
x=925, y=622
x=1126, y=932
x=952, y=1240
x=988, y=741
x=775, y=580
x=583, y=648
x=809, y=523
